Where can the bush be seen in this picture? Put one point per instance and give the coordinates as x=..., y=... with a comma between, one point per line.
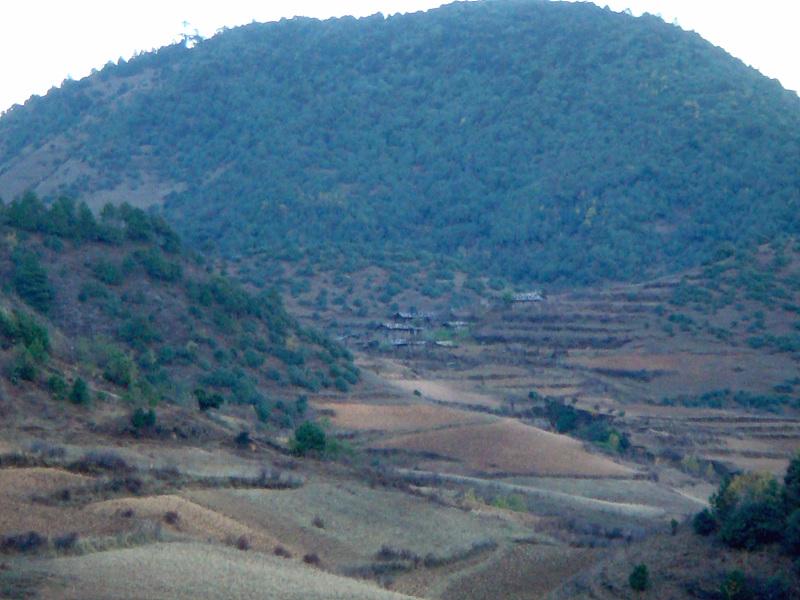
x=98, y=461
x=206, y=401
x=143, y=419
x=639, y=579
x=309, y=437
x=749, y=509
x=243, y=439
x=65, y=542
x=58, y=387
x=31, y=282
x=734, y=586
x=79, y=394
x=263, y=411
x=791, y=535
x=341, y=385
x=243, y=543
x=24, y=367
x=312, y=559
x=119, y=368
x=704, y=523
x=791, y=485
x=107, y=272
x=22, y=542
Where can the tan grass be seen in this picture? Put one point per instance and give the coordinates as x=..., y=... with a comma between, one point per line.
x=19, y=512
x=446, y=391
x=193, y=520
x=508, y=446
x=398, y=417
x=194, y=572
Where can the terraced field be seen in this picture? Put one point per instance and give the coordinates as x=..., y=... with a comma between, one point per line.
x=508, y=446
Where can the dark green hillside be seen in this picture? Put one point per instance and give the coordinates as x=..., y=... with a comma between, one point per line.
x=538, y=141
x=114, y=301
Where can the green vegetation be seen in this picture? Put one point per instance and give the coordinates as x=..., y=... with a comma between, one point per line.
x=79, y=392
x=639, y=579
x=31, y=281
x=752, y=510
x=727, y=398
x=206, y=401
x=583, y=424
x=143, y=419
x=534, y=141
x=309, y=438
x=154, y=321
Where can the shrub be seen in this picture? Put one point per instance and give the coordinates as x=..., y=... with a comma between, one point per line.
x=704, y=523
x=99, y=460
x=282, y=552
x=243, y=543
x=143, y=419
x=243, y=439
x=791, y=535
x=58, y=387
x=309, y=437
x=107, y=272
x=206, y=401
x=750, y=511
x=65, y=542
x=312, y=559
x=639, y=579
x=22, y=542
x=734, y=586
x=31, y=282
x=263, y=411
x=24, y=367
x=157, y=266
x=172, y=518
x=79, y=393
x=119, y=368
x=791, y=485
x=318, y=522
x=138, y=332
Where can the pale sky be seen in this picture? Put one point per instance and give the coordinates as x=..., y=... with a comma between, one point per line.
x=43, y=42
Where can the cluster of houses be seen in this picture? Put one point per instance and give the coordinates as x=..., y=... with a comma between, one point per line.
x=408, y=328
x=532, y=296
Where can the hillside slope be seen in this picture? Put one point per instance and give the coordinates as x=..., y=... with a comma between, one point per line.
x=116, y=303
x=538, y=141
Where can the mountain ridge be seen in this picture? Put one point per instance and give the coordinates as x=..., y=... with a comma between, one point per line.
x=545, y=142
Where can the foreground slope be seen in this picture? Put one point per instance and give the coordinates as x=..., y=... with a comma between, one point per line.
x=539, y=141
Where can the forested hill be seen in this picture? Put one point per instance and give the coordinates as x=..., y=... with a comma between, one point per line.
x=114, y=301
x=538, y=141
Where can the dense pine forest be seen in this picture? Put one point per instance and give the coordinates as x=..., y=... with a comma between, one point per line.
x=535, y=141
